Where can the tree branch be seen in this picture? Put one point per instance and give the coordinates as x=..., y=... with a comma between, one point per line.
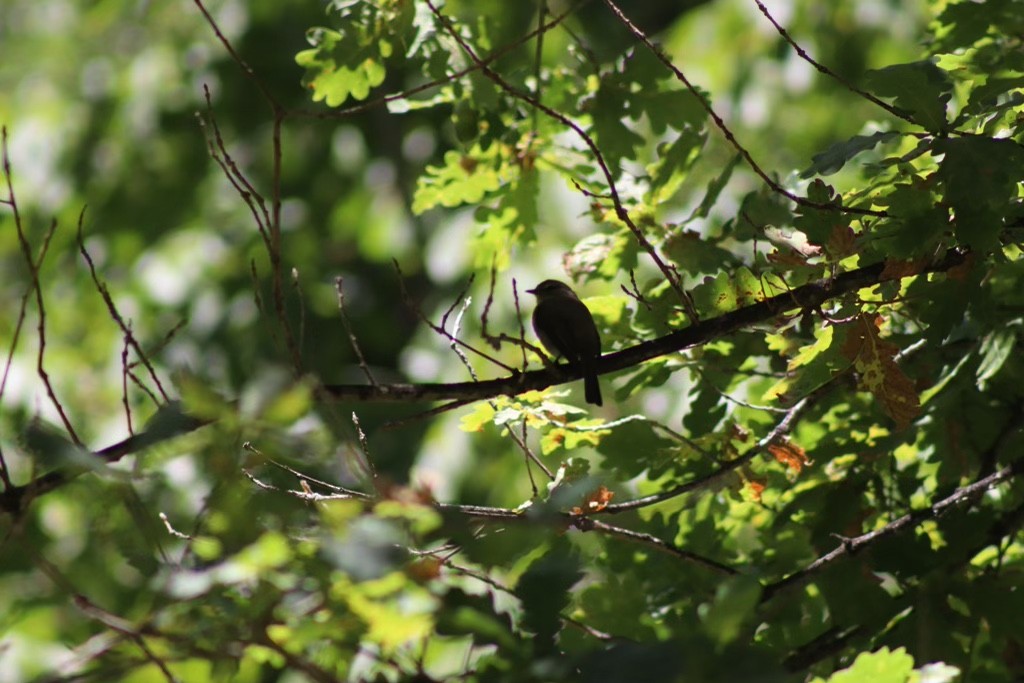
x=808, y=296
x=911, y=519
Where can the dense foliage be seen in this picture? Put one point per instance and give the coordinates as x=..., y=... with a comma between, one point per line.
x=272, y=409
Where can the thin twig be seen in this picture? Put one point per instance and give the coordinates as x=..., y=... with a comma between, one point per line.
x=849, y=546
x=701, y=483
x=339, y=287
x=523, y=345
x=537, y=54
x=124, y=384
x=171, y=530
x=343, y=491
x=510, y=428
x=300, y=298
x=41, y=330
x=439, y=329
x=589, y=524
x=620, y=210
x=364, y=447
x=456, y=328
x=11, y=201
x=34, y=266
x=495, y=342
x=115, y=315
x=802, y=53
x=721, y=124
x=219, y=153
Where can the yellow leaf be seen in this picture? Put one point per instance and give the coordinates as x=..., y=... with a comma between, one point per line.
x=478, y=419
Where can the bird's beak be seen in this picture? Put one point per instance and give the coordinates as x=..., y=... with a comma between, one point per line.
x=532, y=291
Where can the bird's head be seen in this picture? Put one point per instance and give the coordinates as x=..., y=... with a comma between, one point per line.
x=552, y=288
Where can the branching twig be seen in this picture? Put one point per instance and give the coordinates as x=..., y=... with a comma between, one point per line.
x=850, y=546
x=721, y=124
x=115, y=315
x=219, y=153
x=802, y=53
x=456, y=329
x=34, y=265
x=582, y=523
x=784, y=426
x=92, y=611
x=620, y=210
x=268, y=223
x=438, y=328
x=12, y=202
x=520, y=440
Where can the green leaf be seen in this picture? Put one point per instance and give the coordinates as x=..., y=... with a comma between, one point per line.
x=349, y=61
x=199, y=399
x=544, y=591
x=474, y=615
x=616, y=138
x=836, y=156
x=675, y=159
x=731, y=290
x=51, y=448
x=921, y=89
x=465, y=178
x=673, y=107
x=961, y=24
x=273, y=395
x=760, y=210
x=370, y=548
x=812, y=367
x=714, y=189
x=571, y=439
x=882, y=666
x=511, y=222
x=980, y=177
x=482, y=415
x=633, y=447
x=735, y=602
x=694, y=254
x=715, y=295
x=820, y=225
x=917, y=220
x=996, y=348
x=333, y=82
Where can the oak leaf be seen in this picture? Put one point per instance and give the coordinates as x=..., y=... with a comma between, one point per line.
x=875, y=362
x=789, y=454
x=595, y=501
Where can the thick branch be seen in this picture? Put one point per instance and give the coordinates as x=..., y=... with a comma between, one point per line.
x=809, y=296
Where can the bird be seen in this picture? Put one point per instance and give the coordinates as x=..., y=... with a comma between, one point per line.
x=566, y=328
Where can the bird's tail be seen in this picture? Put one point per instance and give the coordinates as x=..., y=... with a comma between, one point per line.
x=591, y=387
